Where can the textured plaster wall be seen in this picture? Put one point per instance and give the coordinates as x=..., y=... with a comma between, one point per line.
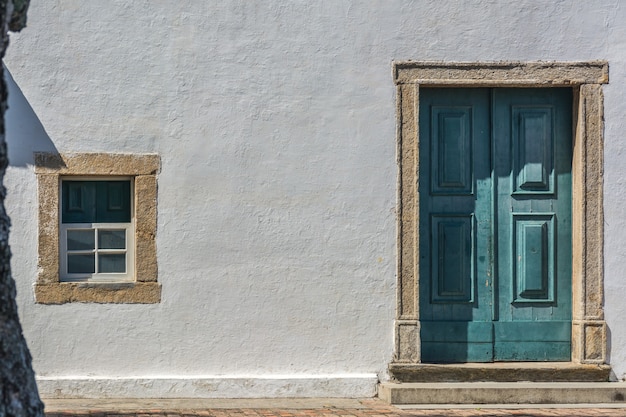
x=275, y=123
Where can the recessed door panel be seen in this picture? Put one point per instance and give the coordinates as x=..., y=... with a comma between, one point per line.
x=452, y=258
x=533, y=257
x=451, y=163
x=532, y=135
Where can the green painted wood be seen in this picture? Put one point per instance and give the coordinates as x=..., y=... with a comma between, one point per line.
x=533, y=258
x=451, y=170
x=453, y=352
x=452, y=258
x=532, y=187
x=533, y=274
x=455, y=232
x=532, y=351
x=532, y=340
x=532, y=331
x=495, y=224
x=454, y=341
x=532, y=148
x=458, y=331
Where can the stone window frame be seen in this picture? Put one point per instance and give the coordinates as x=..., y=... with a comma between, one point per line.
x=589, y=331
x=50, y=168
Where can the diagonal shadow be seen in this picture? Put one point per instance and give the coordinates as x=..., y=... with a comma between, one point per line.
x=25, y=133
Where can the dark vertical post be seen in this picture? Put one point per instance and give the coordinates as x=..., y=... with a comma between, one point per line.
x=18, y=391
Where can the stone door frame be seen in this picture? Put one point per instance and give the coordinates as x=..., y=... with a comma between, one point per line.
x=589, y=332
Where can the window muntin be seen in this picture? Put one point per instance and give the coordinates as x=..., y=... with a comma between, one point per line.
x=96, y=230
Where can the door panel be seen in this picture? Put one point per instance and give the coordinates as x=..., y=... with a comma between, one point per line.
x=532, y=130
x=532, y=340
x=495, y=224
x=533, y=258
x=457, y=341
x=452, y=258
x=532, y=146
x=455, y=263
x=451, y=151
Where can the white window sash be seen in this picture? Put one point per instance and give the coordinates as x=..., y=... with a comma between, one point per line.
x=129, y=229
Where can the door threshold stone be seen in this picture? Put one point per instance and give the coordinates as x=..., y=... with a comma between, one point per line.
x=500, y=372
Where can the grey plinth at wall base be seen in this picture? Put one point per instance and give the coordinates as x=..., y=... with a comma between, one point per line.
x=500, y=372
x=503, y=393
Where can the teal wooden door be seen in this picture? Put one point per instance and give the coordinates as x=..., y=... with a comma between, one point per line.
x=495, y=224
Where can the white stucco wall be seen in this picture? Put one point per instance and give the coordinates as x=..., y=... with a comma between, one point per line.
x=275, y=122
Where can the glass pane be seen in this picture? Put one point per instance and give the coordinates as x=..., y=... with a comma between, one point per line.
x=109, y=263
x=113, y=202
x=81, y=264
x=112, y=239
x=80, y=240
x=78, y=204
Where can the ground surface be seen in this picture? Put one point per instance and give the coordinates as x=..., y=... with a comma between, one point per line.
x=331, y=407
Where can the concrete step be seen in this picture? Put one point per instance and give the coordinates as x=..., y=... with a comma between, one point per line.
x=502, y=392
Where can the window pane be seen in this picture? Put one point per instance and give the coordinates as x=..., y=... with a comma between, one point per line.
x=80, y=240
x=81, y=264
x=112, y=239
x=78, y=202
x=113, y=202
x=109, y=263
x=95, y=201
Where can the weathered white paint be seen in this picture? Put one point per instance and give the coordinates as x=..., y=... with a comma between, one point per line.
x=275, y=122
x=240, y=386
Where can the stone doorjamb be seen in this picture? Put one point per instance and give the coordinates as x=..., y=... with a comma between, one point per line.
x=589, y=331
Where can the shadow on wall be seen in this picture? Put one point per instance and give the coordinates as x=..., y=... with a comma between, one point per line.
x=24, y=132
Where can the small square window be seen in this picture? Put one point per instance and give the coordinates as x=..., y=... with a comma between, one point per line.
x=96, y=230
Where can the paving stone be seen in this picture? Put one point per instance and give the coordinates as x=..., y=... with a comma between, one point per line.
x=306, y=408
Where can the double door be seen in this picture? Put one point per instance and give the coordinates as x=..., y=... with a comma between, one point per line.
x=495, y=224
